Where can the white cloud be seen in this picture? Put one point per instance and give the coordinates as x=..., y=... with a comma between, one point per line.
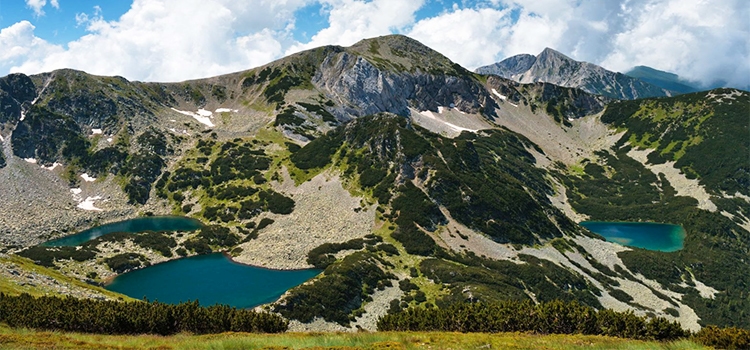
x=37, y=5
x=18, y=43
x=353, y=20
x=173, y=40
x=471, y=37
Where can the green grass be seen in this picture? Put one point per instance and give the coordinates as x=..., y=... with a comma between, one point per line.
x=10, y=287
x=29, y=339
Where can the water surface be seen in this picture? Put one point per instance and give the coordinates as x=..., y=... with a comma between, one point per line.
x=646, y=235
x=142, y=224
x=211, y=279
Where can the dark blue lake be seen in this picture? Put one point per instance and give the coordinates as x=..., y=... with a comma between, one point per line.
x=646, y=235
x=148, y=223
x=210, y=279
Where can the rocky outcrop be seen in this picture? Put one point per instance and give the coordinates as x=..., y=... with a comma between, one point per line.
x=15, y=90
x=364, y=88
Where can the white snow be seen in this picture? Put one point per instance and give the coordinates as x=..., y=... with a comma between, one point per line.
x=88, y=204
x=501, y=96
x=201, y=118
x=87, y=178
x=76, y=191
x=30, y=160
x=1, y=138
x=109, y=139
x=52, y=167
x=96, y=131
x=430, y=115
x=225, y=110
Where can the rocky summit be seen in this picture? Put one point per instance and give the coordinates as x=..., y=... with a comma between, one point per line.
x=408, y=180
x=554, y=67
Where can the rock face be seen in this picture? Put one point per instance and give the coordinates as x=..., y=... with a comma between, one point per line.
x=553, y=67
x=373, y=81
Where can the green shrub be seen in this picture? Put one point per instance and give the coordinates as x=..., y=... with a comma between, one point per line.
x=116, y=317
x=723, y=338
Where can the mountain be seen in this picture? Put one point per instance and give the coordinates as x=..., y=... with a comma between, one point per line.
x=662, y=79
x=553, y=67
x=409, y=180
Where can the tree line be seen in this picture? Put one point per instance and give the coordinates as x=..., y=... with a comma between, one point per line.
x=117, y=317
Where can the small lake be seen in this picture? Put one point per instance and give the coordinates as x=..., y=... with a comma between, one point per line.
x=646, y=235
x=142, y=224
x=211, y=279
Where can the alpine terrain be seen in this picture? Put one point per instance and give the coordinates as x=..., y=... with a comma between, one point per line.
x=553, y=67
x=410, y=181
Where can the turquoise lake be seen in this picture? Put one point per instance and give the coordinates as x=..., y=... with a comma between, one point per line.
x=211, y=279
x=646, y=235
x=148, y=223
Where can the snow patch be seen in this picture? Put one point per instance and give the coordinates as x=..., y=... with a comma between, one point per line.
x=88, y=203
x=109, y=139
x=200, y=117
x=1, y=138
x=52, y=167
x=226, y=110
x=87, y=178
x=96, y=131
x=431, y=115
x=76, y=191
x=30, y=160
x=501, y=96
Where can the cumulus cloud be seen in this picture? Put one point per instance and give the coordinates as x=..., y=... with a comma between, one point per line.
x=353, y=20
x=699, y=40
x=173, y=40
x=37, y=5
x=471, y=37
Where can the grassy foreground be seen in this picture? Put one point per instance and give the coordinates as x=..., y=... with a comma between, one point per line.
x=28, y=339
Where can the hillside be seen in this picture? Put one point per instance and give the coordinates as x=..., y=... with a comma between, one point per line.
x=409, y=180
x=553, y=67
x=664, y=80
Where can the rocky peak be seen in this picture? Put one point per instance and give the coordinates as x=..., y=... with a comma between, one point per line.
x=551, y=66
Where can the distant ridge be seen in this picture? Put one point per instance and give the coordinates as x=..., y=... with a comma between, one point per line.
x=662, y=79
x=551, y=66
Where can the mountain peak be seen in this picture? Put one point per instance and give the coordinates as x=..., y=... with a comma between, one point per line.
x=551, y=66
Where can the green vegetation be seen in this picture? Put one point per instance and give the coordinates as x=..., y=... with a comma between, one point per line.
x=117, y=317
x=21, y=338
x=46, y=256
x=124, y=262
x=691, y=128
x=322, y=255
x=472, y=278
x=339, y=292
x=554, y=317
x=618, y=188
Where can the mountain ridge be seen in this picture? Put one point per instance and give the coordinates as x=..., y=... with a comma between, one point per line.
x=554, y=67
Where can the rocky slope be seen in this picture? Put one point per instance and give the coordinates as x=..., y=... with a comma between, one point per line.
x=553, y=67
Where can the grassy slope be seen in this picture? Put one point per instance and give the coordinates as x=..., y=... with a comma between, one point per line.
x=24, y=339
x=10, y=287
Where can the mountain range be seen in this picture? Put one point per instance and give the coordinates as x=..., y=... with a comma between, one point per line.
x=551, y=66
x=410, y=180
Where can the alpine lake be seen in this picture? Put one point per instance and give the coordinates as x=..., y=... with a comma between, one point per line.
x=210, y=279
x=646, y=235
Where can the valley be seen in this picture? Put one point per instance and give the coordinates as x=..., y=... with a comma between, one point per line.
x=409, y=181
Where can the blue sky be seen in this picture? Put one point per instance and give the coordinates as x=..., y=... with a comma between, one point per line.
x=173, y=40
